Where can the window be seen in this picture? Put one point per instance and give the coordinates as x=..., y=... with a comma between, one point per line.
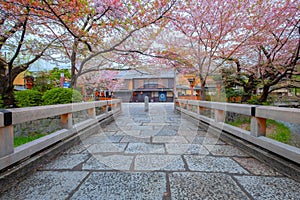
x=151, y=83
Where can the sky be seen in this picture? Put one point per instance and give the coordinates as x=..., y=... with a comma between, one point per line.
x=44, y=65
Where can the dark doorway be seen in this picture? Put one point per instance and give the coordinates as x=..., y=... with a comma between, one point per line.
x=141, y=96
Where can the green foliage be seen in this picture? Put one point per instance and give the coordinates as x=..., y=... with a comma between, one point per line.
x=240, y=121
x=47, y=80
x=280, y=133
x=230, y=92
x=18, y=141
x=27, y=98
x=255, y=101
x=1, y=103
x=61, y=96
x=55, y=73
x=42, y=82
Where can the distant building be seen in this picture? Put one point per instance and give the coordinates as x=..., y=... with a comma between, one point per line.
x=135, y=85
x=23, y=81
x=183, y=87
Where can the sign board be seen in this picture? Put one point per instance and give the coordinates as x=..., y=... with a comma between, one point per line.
x=67, y=84
x=162, y=96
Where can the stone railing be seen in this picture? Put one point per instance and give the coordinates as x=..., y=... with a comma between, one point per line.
x=258, y=116
x=10, y=117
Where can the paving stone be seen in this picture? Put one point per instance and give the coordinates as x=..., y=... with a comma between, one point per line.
x=142, y=128
x=102, y=139
x=148, y=133
x=123, y=186
x=166, y=132
x=156, y=124
x=138, y=139
x=135, y=133
x=106, y=147
x=256, y=167
x=186, y=149
x=195, y=139
x=68, y=161
x=212, y=140
x=196, y=185
x=110, y=162
x=125, y=121
x=213, y=164
x=144, y=148
x=203, y=133
x=81, y=148
x=124, y=128
x=46, y=185
x=95, y=164
x=169, y=139
x=187, y=133
x=159, y=162
x=261, y=187
x=110, y=127
x=225, y=150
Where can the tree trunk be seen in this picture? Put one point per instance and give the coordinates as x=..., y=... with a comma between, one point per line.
x=246, y=97
x=7, y=93
x=265, y=94
x=203, y=92
x=73, y=63
x=247, y=93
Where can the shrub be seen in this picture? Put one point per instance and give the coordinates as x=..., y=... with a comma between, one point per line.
x=1, y=103
x=27, y=98
x=61, y=96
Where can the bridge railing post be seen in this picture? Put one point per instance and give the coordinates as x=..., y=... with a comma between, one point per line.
x=66, y=120
x=200, y=109
x=219, y=115
x=6, y=133
x=258, y=126
x=92, y=113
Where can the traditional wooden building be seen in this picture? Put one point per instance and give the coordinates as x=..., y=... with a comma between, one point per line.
x=135, y=85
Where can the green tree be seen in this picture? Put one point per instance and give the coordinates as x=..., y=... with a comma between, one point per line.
x=50, y=79
x=27, y=98
x=1, y=103
x=56, y=72
x=61, y=96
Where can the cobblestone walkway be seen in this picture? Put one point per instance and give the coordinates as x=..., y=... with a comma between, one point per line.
x=154, y=155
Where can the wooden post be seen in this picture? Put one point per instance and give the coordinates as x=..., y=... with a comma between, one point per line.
x=189, y=107
x=258, y=126
x=200, y=109
x=92, y=113
x=66, y=120
x=6, y=140
x=219, y=116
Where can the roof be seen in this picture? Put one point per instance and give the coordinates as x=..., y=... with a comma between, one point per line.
x=157, y=73
x=19, y=80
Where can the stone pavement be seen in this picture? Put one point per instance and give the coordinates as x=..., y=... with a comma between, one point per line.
x=154, y=155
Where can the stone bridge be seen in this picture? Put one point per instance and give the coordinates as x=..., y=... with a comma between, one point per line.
x=170, y=152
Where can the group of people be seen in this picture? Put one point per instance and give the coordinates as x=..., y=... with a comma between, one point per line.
x=103, y=94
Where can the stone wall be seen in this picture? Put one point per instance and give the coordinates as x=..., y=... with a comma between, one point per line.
x=49, y=125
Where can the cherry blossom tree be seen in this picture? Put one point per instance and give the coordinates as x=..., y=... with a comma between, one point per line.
x=204, y=32
x=272, y=54
x=84, y=30
x=26, y=35
x=108, y=29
